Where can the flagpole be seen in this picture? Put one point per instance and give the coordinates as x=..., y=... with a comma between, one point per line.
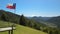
x=13, y=23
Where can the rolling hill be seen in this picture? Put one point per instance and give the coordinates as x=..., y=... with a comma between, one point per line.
x=43, y=20
x=22, y=30
x=55, y=20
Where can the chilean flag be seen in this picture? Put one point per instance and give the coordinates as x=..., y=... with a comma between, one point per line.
x=11, y=6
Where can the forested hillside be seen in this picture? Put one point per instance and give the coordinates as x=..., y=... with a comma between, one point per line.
x=22, y=20
x=55, y=20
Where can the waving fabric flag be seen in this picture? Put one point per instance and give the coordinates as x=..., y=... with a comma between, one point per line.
x=11, y=6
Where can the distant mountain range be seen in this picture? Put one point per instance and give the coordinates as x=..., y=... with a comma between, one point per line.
x=40, y=18
x=55, y=21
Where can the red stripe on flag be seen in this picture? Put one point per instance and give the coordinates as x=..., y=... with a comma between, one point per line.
x=11, y=6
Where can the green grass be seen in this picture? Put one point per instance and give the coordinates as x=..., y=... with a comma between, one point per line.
x=5, y=24
x=24, y=30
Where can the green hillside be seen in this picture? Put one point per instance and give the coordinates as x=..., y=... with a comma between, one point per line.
x=22, y=30
x=25, y=30
x=30, y=26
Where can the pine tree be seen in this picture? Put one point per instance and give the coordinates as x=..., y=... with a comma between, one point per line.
x=3, y=17
x=22, y=20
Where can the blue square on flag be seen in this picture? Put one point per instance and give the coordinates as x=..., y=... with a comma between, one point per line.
x=11, y=5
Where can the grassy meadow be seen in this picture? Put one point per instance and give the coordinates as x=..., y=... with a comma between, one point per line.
x=20, y=29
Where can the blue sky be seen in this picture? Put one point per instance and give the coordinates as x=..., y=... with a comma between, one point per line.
x=47, y=8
